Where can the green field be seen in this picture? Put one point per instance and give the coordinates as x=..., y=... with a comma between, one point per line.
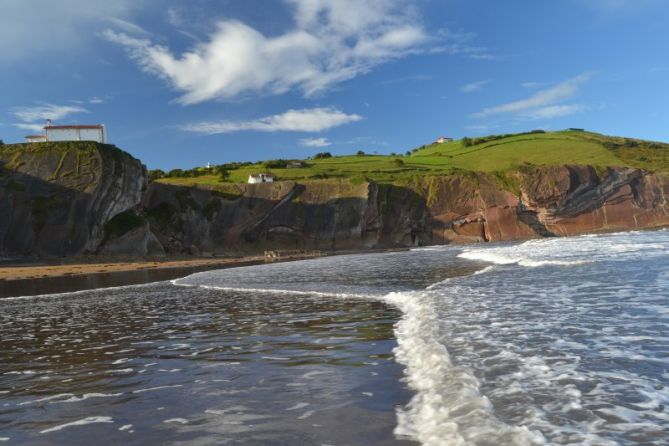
x=490, y=154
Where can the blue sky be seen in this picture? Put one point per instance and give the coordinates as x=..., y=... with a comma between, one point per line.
x=184, y=83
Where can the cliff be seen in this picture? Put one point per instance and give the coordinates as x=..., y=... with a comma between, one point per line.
x=70, y=199
x=56, y=198
x=459, y=208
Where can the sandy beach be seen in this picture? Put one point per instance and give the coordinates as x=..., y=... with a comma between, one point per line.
x=23, y=272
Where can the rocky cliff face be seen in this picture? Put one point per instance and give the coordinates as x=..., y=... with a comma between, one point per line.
x=84, y=198
x=472, y=207
x=56, y=198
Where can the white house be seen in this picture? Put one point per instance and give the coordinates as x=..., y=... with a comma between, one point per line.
x=444, y=139
x=95, y=133
x=261, y=178
x=36, y=138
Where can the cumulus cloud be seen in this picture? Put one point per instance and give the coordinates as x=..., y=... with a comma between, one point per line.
x=32, y=27
x=543, y=99
x=331, y=41
x=307, y=120
x=474, y=86
x=315, y=142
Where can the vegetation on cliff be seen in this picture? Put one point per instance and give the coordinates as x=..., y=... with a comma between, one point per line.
x=494, y=154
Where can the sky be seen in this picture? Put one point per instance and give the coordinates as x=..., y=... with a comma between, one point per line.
x=180, y=84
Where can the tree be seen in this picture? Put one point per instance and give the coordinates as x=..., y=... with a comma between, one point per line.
x=467, y=141
x=408, y=153
x=322, y=155
x=360, y=153
x=223, y=175
x=398, y=162
x=156, y=174
x=2, y=143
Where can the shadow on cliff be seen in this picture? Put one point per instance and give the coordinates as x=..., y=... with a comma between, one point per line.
x=284, y=217
x=41, y=218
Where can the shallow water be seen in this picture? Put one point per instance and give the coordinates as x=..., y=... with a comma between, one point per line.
x=559, y=341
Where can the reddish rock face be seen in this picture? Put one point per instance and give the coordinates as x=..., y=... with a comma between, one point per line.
x=461, y=208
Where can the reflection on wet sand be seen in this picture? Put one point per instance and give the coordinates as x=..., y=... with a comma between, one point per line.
x=158, y=363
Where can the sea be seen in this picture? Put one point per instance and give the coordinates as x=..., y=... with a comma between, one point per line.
x=560, y=341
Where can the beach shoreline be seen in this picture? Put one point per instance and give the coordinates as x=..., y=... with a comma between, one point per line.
x=48, y=277
x=30, y=279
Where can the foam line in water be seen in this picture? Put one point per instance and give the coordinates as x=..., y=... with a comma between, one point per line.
x=272, y=291
x=82, y=422
x=448, y=407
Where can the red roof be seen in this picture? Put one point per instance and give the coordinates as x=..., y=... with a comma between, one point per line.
x=73, y=127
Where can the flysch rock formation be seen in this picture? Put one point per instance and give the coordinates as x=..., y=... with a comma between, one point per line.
x=84, y=198
x=55, y=198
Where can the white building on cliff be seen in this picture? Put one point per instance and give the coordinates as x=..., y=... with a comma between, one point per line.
x=96, y=133
x=261, y=178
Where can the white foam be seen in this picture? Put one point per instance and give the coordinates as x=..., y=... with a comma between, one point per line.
x=298, y=406
x=447, y=407
x=176, y=420
x=82, y=422
x=151, y=389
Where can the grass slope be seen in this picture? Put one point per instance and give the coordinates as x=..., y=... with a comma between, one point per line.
x=491, y=154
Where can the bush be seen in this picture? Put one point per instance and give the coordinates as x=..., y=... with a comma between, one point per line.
x=467, y=142
x=156, y=174
x=122, y=224
x=398, y=162
x=360, y=153
x=176, y=173
x=322, y=155
x=275, y=164
x=223, y=175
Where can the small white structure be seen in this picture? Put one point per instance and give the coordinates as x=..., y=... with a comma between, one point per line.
x=95, y=133
x=444, y=140
x=36, y=138
x=261, y=178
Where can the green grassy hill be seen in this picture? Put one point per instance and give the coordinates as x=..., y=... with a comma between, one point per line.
x=497, y=153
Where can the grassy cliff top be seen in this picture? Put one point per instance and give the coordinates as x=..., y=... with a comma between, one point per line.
x=496, y=153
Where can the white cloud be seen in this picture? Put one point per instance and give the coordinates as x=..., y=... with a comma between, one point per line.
x=31, y=28
x=315, y=142
x=127, y=27
x=553, y=111
x=540, y=99
x=46, y=111
x=460, y=43
x=474, y=86
x=308, y=120
x=37, y=128
x=332, y=41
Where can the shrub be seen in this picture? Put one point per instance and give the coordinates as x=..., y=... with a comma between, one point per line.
x=156, y=174
x=360, y=153
x=223, y=175
x=467, y=142
x=122, y=224
x=275, y=164
x=398, y=162
x=322, y=155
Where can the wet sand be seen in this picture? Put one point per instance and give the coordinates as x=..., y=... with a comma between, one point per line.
x=31, y=279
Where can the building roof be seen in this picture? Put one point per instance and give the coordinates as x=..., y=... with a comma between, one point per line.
x=74, y=127
x=35, y=136
x=261, y=174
